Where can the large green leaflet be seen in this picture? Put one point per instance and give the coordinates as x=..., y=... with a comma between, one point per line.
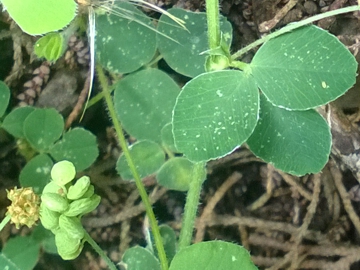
x=37, y=17
x=303, y=69
x=215, y=113
x=297, y=142
x=213, y=255
x=124, y=43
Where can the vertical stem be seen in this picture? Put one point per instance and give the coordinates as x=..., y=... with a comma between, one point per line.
x=98, y=249
x=144, y=197
x=4, y=222
x=191, y=206
x=213, y=23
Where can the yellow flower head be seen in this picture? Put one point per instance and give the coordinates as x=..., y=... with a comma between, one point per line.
x=24, y=209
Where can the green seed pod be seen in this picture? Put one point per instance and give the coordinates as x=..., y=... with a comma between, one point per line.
x=72, y=226
x=89, y=192
x=82, y=206
x=68, y=247
x=52, y=187
x=63, y=172
x=49, y=219
x=79, y=188
x=55, y=202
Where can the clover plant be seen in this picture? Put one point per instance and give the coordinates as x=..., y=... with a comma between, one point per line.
x=41, y=139
x=268, y=103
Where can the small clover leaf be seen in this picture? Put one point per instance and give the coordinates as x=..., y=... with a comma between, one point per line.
x=4, y=97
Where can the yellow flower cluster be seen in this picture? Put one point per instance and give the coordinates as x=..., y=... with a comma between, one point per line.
x=25, y=206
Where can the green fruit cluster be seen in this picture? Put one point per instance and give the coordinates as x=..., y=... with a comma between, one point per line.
x=63, y=203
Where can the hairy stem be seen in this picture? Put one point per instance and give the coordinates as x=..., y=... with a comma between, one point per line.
x=98, y=249
x=213, y=23
x=122, y=141
x=191, y=206
x=4, y=222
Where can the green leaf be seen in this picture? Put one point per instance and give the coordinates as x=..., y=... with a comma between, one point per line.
x=51, y=46
x=7, y=264
x=181, y=48
x=139, y=258
x=168, y=237
x=4, y=97
x=167, y=138
x=41, y=16
x=303, y=69
x=127, y=42
x=214, y=114
x=45, y=237
x=176, y=173
x=148, y=157
x=36, y=173
x=296, y=142
x=43, y=127
x=23, y=251
x=14, y=121
x=213, y=255
x=49, y=245
x=144, y=102
x=77, y=146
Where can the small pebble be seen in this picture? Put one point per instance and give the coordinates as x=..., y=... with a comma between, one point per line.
x=310, y=7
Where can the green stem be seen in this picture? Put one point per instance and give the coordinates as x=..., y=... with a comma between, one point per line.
x=213, y=23
x=98, y=249
x=293, y=26
x=122, y=141
x=191, y=206
x=4, y=222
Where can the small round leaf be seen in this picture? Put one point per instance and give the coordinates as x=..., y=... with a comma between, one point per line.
x=22, y=251
x=36, y=173
x=14, y=121
x=78, y=146
x=4, y=97
x=139, y=258
x=147, y=156
x=43, y=127
x=213, y=255
x=167, y=138
x=176, y=174
x=144, y=102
